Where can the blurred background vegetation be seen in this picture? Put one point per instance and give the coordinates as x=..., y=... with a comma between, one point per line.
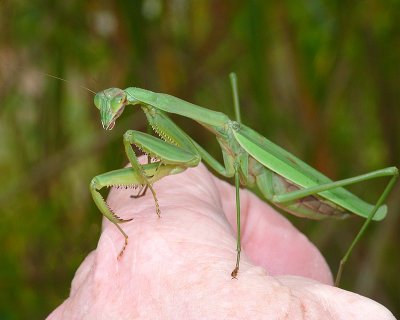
x=319, y=77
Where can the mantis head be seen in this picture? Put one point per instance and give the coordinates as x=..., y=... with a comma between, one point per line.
x=111, y=103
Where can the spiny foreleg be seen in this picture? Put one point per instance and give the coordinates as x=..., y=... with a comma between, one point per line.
x=129, y=180
x=129, y=139
x=164, y=153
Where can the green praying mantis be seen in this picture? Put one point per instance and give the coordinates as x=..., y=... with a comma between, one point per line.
x=283, y=179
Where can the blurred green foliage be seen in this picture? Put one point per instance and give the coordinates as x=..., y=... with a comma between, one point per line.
x=319, y=77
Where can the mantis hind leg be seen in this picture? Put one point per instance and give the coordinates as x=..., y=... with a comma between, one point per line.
x=365, y=225
x=265, y=185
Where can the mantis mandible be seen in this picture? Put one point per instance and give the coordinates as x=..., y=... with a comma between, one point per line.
x=283, y=179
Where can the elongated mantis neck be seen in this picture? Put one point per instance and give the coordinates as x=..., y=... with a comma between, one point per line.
x=175, y=105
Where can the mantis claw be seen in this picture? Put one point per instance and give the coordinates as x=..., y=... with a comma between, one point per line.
x=123, y=249
x=158, y=211
x=126, y=239
x=119, y=219
x=140, y=193
x=234, y=273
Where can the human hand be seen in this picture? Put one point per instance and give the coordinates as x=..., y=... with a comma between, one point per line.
x=179, y=266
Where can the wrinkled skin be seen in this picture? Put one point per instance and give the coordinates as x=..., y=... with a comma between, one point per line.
x=178, y=267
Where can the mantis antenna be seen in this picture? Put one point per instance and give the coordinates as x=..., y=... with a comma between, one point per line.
x=69, y=82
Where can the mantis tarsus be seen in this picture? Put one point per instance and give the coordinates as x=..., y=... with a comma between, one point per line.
x=250, y=158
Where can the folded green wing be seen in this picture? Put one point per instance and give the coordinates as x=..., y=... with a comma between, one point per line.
x=295, y=170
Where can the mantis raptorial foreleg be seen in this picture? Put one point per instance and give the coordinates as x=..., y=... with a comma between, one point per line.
x=121, y=178
x=142, y=191
x=166, y=152
x=127, y=178
x=129, y=139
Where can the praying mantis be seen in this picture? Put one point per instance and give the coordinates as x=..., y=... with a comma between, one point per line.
x=253, y=161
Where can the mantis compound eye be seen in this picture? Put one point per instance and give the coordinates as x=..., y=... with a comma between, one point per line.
x=118, y=102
